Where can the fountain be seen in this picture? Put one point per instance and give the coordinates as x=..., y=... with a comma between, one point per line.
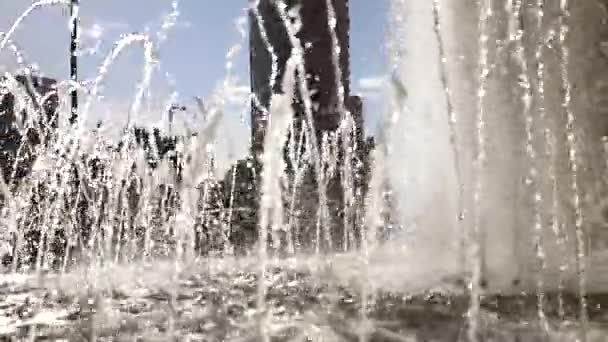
x=530, y=166
x=533, y=58
x=492, y=157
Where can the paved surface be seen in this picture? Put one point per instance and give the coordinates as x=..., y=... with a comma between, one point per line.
x=206, y=303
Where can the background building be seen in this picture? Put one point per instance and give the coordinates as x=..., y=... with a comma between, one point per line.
x=10, y=137
x=316, y=39
x=320, y=71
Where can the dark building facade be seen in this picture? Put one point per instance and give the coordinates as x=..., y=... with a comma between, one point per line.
x=315, y=37
x=316, y=41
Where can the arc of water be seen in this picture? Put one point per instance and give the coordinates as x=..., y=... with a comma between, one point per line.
x=42, y=257
x=144, y=84
x=118, y=48
x=26, y=13
x=151, y=61
x=71, y=141
x=20, y=59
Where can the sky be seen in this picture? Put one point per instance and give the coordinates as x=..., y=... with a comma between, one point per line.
x=192, y=58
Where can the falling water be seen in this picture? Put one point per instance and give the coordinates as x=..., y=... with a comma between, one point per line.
x=347, y=128
x=516, y=36
x=74, y=43
x=17, y=52
x=103, y=70
x=150, y=54
x=452, y=121
x=554, y=213
x=573, y=161
x=13, y=212
x=169, y=22
x=150, y=61
x=476, y=260
x=274, y=66
x=299, y=170
x=298, y=54
x=63, y=162
x=229, y=83
x=233, y=52
x=538, y=198
x=23, y=100
x=126, y=161
x=271, y=208
x=298, y=158
x=328, y=161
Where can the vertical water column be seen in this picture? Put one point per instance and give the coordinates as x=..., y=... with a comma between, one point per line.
x=543, y=83
x=572, y=144
x=421, y=163
x=490, y=69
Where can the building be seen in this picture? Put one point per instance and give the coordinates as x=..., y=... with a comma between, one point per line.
x=320, y=71
x=268, y=28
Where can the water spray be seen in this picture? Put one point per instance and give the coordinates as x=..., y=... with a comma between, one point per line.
x=74, y=19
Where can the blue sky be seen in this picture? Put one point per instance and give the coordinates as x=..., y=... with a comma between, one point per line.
x=194, y=54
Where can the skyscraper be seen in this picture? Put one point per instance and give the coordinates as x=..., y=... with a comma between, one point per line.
x=268, y=36
x=268, y=33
